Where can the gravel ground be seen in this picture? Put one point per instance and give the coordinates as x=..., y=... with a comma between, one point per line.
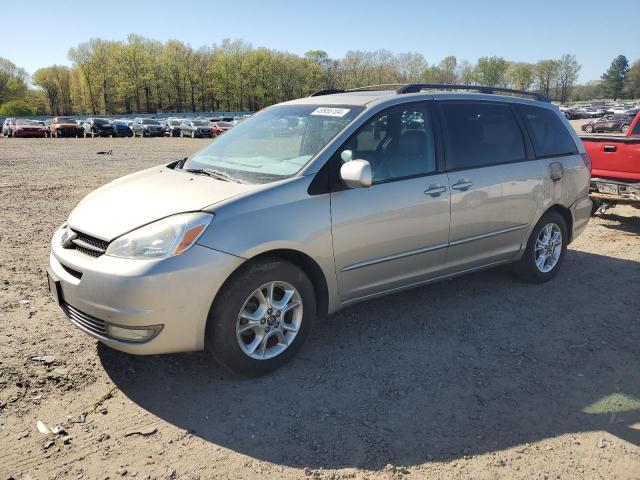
x=479, y=377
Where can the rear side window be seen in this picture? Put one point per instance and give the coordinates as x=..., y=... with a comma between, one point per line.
x=548, y=133
x=636, y=129
x=480, y=134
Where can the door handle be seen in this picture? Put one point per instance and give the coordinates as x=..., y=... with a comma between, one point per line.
x=610, y=148
x=462, y=184
x=435, y=190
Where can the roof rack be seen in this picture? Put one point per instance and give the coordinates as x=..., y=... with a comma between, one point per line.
x=418, y=87
x=328, y=91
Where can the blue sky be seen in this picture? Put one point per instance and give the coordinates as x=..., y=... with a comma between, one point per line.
x=39, y=33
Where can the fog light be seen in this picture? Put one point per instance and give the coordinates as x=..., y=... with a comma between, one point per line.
x=127, y=334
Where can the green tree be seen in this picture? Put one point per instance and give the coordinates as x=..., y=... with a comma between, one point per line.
x=613, y=78
x=567, y=74
x=490, y=71
x=520, y=75
x=16, y=108
x=546, y=72
x=632, y=81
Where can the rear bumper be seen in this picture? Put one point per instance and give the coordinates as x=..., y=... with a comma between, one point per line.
x=172, y=296
x=625, y=192
x=581, y=212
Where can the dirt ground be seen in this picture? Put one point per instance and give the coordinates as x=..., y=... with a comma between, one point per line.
x=480, y=377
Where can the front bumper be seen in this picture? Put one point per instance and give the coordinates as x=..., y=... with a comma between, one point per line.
x=30, y=134
x=172, y=295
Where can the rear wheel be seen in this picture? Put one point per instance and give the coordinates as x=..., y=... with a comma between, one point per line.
x=624, y=128
x=546, y=249
x=261, y=317
x=588, y=129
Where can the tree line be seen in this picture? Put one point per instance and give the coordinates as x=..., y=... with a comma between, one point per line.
x=143, y=75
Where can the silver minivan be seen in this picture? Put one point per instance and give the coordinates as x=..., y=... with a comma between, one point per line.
x=315, y=204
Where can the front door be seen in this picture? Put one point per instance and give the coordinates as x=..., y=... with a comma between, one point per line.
x=394, y=233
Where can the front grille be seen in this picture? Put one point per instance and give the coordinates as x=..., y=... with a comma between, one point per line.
x=84, y=320
x=90, y=245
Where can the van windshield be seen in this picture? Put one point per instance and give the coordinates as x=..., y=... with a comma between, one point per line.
x=275, y=143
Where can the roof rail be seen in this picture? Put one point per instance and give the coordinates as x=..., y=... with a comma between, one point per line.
x=418, y=87
x=328, y=91
x=375, y=87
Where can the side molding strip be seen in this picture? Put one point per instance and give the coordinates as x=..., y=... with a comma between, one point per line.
x=395, y=256
x=487, y=235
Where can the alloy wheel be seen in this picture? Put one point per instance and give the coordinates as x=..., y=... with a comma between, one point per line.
x=548, y=247
x=269, y=320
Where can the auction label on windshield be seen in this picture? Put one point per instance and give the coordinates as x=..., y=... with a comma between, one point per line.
x=330, y=112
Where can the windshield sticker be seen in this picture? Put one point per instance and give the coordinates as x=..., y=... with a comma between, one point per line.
x=330, y=112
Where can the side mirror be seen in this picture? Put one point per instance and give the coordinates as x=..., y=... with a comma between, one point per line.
x=356, y=173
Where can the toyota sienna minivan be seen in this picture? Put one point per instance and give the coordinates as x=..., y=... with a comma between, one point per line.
x=315, y=204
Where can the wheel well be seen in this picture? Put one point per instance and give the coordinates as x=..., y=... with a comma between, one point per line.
x=568, y=218
x=307, y=264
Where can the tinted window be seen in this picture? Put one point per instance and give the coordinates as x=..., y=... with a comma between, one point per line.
x=548, y=133
x=479, y=134
x=397, y=144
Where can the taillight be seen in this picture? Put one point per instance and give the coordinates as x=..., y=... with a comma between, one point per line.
x=587, y=161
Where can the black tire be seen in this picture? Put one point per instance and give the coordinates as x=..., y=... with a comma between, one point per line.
x=588, y=129
x=221, y=340
x=526, y=267
x=624, y=128
x=595, y=205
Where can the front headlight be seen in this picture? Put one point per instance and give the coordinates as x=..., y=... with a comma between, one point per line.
x=164, y=238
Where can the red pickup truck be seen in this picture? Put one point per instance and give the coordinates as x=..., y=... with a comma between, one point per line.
x=615, y=173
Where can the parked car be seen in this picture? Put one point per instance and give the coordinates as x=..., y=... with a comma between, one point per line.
x=608, y=123
x=98, y=127
x=616, y=168
x=237, y=249
x=121, y=129
x=173, y=127
x=196, y=129
x=27, y=128
x=220, y=127
x=571, y=114
x=591, y=112
x=6, y=126
x=65, y=127
x=147, y=127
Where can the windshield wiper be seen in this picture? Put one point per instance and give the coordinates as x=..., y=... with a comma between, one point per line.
x=217, y=174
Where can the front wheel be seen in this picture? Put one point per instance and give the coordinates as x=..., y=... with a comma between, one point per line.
x=546, y=249
x=261, y=317
x=588, y=129
x=624, y=128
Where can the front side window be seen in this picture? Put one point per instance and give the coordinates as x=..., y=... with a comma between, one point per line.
x=275, y=143
x=397, y=144
x=548, y=133
x=479, y=134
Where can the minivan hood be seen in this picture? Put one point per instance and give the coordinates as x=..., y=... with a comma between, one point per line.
x=143, y=197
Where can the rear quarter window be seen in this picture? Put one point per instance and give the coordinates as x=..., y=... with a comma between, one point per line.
x=548, y=133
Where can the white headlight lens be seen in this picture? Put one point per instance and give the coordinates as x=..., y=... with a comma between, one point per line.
x=164, y=238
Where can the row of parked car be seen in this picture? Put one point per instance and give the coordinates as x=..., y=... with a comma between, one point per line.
x=576, y=112
x=102, y=127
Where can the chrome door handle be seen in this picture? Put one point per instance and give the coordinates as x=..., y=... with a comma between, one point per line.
x=462, y=184
x=435, y=190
